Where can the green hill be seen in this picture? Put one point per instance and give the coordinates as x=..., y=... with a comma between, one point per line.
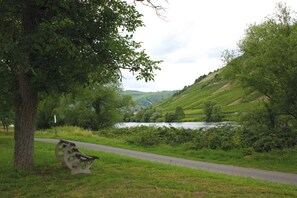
x=230, y=95
x=145, y=99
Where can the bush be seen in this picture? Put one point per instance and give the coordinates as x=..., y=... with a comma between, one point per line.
x=266, y=144
x=170, y=117
x=247, y=151
x=265, y=130
x=224, y=137
x=148, y=137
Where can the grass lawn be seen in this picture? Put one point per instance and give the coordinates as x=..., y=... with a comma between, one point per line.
x=278, y=160
x=118, y=176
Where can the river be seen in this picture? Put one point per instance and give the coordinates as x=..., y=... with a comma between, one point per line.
x=188, y=125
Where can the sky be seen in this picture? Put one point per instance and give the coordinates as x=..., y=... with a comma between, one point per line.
x=193, y=36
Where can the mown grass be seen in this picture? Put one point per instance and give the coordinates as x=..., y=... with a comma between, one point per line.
x=117, y=176
x=277, y=160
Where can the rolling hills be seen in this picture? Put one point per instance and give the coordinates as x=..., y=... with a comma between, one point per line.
x=145, y=99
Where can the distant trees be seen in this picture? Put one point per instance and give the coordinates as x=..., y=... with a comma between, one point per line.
x=6, y=99
x=152, y=114
x=170, y=117
x=178, y=115
x=200, y=78
x=149, y=114
x=93, y=107
x=212, y=111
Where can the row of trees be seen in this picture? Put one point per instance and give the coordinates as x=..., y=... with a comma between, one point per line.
x=151, y=114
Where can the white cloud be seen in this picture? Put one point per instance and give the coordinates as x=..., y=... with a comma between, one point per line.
x=193, y=36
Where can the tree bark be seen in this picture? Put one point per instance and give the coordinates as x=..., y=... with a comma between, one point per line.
x=27, y=97
x=26, y=109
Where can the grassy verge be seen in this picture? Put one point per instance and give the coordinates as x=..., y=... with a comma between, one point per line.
x=117, y=176
x=277, y=160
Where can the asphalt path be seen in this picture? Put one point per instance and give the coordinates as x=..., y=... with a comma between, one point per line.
x=211, y=167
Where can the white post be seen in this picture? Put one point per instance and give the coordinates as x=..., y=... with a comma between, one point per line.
x=55, y=121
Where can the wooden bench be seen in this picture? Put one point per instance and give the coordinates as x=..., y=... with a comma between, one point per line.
x=69, y=155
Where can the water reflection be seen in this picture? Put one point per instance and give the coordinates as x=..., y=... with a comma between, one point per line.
x=188, y=125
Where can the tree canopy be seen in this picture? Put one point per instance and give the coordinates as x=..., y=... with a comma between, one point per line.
x=94, y=107
x=268, y=60
x=52, y=46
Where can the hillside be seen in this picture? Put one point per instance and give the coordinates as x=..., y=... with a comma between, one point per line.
x=230, y=95
x=145, y=99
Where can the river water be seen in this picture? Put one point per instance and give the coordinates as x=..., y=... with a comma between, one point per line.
x=187, y=125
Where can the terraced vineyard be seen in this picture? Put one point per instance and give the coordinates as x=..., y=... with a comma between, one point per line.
x=230, y=95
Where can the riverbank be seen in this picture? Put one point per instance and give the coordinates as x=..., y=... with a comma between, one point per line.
x=276, y=160
x=272, y=176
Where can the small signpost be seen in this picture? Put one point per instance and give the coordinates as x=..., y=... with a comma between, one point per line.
x=55, y=122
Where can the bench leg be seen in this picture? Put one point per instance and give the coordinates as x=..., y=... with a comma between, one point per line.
x=75, y=164
x=59, y=151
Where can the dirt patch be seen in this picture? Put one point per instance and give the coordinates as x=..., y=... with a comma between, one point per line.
x=235, y=102
x=225, y=87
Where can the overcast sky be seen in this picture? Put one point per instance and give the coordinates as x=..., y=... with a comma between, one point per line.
x=192, y=38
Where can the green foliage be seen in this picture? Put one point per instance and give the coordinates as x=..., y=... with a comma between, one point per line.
x=267, y=66
x=200, y=78
x=268, y=61
x=146, y=99
x=212, y=111
x=149, y=114
x=54, y=46
x=46, y=111
x=224, y=137
x=91, y=108
x=179, y=113
x=66, y=49
x=170, y=117
x=148, y=137
x=265, y=131
x=145, y=179
x=6, y=98
x=229, y=95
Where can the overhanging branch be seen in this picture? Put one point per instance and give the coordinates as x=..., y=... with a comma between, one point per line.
x=159, y=9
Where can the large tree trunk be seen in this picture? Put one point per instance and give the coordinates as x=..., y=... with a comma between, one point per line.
x=27, y=98
x=26, y=108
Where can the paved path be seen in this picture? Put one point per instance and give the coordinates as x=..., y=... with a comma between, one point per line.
x=219, y=168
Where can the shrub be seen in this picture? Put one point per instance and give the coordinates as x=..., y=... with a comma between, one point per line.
x=148, y=137
x=265, y=130
x=247, y=151
x=266, y=144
